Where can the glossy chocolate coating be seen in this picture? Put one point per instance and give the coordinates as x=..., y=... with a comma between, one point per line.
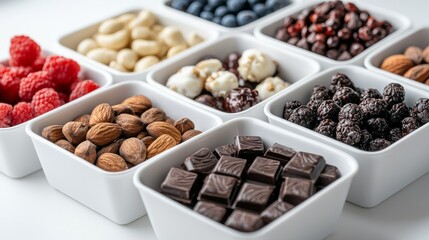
x=279, y=152
x=305, y=165
x=249, y=147
x=240, y=99
x=296, y=190
x=328, y=176
x=244, y=221
x=275, y=210
x=179, y=185
x=230, y=166
x=264, y=170
x=218, y=188
x=211, y=210
x=227, y=150
x=202, y=162
x=253, y=197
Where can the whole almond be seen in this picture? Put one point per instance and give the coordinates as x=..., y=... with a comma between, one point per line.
x=139, y=104
x=153, y=115
x=148, y=140
x=111, y=148
x=133, y=151
x=104, y=133
x=121, y=108
x=142, y=135
x=190, y=134
x=183, y=125
x=66, y=145
x=75, y=132
x=131, y=125
x=111, y=162
x=83, y=118
x=53, y=133
x=87, y=151
x=418, y=73
x=426, y=54
x=157, y=129
x=102, y=113
x=397, y=64
x=415, y=53
x=161, y=144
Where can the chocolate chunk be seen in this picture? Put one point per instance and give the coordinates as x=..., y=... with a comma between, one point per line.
x=264, y=170
x=210, y=210
x=275, y=210
x=227, y=150
x=249, y=147
x=230, y=166
x=202, y=162
x=218, y=188
x=180, y=185
x=328, y=176
x=280, y=152
x=305, y=165
x=253, y=197
x=244, y=221
x=296, y=190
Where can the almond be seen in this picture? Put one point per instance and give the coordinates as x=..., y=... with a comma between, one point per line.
x=53, y=133
x=104, y=133
x=66, y=145
x=87, y=151
x=111, y=148
x=133, y=151
x=75, y=132
x=418, y=73
x=121, y=108
x=111, y=162
x=397, y=64
x=142, y=135
x=153, y=115
x=190, y=134
x=83, y=118
x=139, y=104
x=184, y=125
x=426, y=54
x=131, y=125
x=161, y=144
x=102, y=113
x=415, y=53
x=157, y=129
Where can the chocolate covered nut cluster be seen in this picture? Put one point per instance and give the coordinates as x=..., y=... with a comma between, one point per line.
x=232, y=85
x=245, y=186
x=365, y=119
x=334, y=29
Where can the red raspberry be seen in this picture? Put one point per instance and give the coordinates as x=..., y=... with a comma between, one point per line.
x=64, y=98
x=21, y=112
x=5, y=115
x=33, y=83
x=9, y=87
x=39, y=63
x=23, y=51
x=62, y=70
x=44, y=101
x=74, y=84
x=83, y=88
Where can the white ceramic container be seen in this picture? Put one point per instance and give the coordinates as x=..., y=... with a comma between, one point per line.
x=110, y=194
x=381, y=173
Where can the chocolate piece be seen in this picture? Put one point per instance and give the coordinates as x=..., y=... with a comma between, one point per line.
x=218, y=188
x=275, y=210
x=249, y=147
x=296, y=190
x=180, y=185
x=280, y=152
x=305, y=165
x=244, y=221
x=227, y=150
x=328, y=176
x=230, y=166
x=202, y=161
x=210, y=210
x=253, y=197
x=264, y=170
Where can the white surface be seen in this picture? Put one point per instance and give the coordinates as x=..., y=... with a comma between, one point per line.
x=31, y=209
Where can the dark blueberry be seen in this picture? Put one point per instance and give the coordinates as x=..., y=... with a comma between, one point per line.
x=421, y=110
x=373, y=108
x=229, y=21
x=409, y=124
x=386, y=25
x=314, y=104
x=240, y=99
x=207, y=15
x=260, y=9
x=356, y=48
x=216, y=3
x=327, y=127
x=181, y=5
x=398, y=112
x=254, y=2
x=339, y=80
x=275, y=5
x=348, y=132
x=207, y=100
x=393, y=93
x=351, y=112
x=364, y=15
x=344, y=56
x=379, y=33
x=345, y=95
x=201, y=1
x=216, y=20
x=328, y=109
x=378, y=127
x=221, y=11
x=195, y=8
x=378, y=144
x=303, y=116
x=370, y=93
x=235, y=5
x=395, y=134
x=333, y=42
x=209, y=8
x=282, y=34
x=366, y=137
x=289, y=107
x=246, y=17
x=344, y=34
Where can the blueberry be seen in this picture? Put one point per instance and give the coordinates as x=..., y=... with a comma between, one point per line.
x=181, y=5
x=245, y=17
x=254, y=2
x=207, y=15
x=195, y=8
x=260, y=9
x=208, y=8
x=201, y=1
x=275, y=5
x=221, y=11
x=229, y=21
x=236, y=5
x=216, y=20
x=216, y=3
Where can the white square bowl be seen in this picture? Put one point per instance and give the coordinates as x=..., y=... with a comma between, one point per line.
x=266, y=31
x=172, y=220
x=108, y=193
x=381, y=173
x=418, y=37
x=291, y=67
x=17, y=155
x=71, y=40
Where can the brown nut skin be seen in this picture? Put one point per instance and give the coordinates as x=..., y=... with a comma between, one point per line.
x=53, y=133
x=426, y=54
x=133, y=151
x=139, y=104
x=153, y=115
x=83, y=118
x=111, y=148
x=102, y=113
x=170, y=121
x=66, y=145
x=104, y=133
x=418, y=73
x=183, y=125
x=161, y=144
x=131, y=125
x=121, y=108
x=111, y=162
x=157, y=129
x=148, y=140
x=190, y=134
x=142, y=135
x=87, y=151
x=75, y=132
x=415, y=54
x=397, y=64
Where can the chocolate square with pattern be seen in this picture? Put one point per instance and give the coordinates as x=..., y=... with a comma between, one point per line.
x=249, y=147
x=305, y=165
x=226, y=150
x=281, y=153
x=219, y=189
x=211, y=210
x=180, y=185
x=275, y=210
x=244, y=221
x=329, y=175
x=230, y=166
x=253, y=197
x=202, y=162
x=264, y=170
x=296, y=190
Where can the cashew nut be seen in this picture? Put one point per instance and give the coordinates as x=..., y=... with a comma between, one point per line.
x=102, y=55
x=114, y=41
x=127, y=58
x=126, y=18
x=145, y=18
x=194, y=39
x=110, y=26
x=117, y=66
x=164, y=49
x=145, y=47
x=87, y=45
x=155, y=30
x=176, y=49
x=172, y=36
x=145, y=63
x=141, y=32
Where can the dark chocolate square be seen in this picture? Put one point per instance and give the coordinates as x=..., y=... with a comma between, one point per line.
x=180, y=185
x=328, y=176
x=281, y=153
x=218, y=188
x=211, y=210
x=244, y=221
x=305, y=165
x=226, y=150
x=249, y=147
x=253, y=197
x=202, y=162
x=275, y=210
x=296, y=190
x=230, y=166
x=264, y=170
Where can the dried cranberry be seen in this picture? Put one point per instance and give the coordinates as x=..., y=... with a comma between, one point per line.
x=352, y=20
x=288, y=21
x=303, y=44
x=344, y=56
x=333, y=42
x=364, y=15
x=356, y=48
x=319, y=47
x=379, y=33
x=292, y=31
x=365, y=33
x=344, y=34
x=351, y=7
x=332, y=54
x=293, y=40
x=282, y=35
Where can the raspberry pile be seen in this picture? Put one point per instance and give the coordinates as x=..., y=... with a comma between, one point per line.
x=365, y=119
x=32, y=84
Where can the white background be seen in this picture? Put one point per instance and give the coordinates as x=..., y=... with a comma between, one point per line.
x=31, y=209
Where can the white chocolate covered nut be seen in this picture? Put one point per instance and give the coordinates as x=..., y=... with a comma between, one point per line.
x=221, y=83
x=145, y=63
x=141, y=32
x=114, y=41
x=270, y=86
x=255, y=65
x=186, y=82
x=87, y=45
x=194, y=39
x=209, y=66
x=145, y=47
x=126, y=18
x=145, y=18
x=110, y=26
x=127, y=58
x=176, y=50
x=102, y=55
x=171, y=36
x=117, y=66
